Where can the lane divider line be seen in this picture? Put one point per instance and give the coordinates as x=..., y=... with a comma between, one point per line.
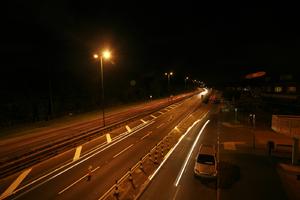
x=171, y=151
x=77, y=153
x=145, y=136
x=153, y=116
x=15, y=184
x=108, y=138
x=160, y=125
x=87, y=156
x=190, y=153
x=161, y=112
x=62, y=191
x=122, y=151
x=128, y=128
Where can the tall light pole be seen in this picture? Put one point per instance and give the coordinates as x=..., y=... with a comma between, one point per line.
x=186, y=78
x=169, y=75
x=106, y=55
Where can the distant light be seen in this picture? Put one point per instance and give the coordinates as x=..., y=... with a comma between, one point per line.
x=106, y=54
x=166, y=74
x=171, y=73
x=187, y=78
x=96, y=56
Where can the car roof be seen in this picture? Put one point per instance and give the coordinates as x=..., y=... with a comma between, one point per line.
x=207, y=149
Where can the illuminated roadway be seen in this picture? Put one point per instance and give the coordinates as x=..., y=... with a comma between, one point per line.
x=62, y=178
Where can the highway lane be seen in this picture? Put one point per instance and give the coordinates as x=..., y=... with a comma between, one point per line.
x=15, y=146
x=176, y=180
x=111, y=167
x=244, y=173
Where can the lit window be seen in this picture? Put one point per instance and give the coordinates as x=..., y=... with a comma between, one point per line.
x=278, y=89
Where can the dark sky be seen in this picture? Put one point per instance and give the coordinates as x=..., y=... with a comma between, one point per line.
x=210, y=42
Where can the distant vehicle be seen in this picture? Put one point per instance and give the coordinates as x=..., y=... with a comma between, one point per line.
x=206, y=162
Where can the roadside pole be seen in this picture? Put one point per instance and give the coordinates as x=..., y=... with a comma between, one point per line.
x=218, y=160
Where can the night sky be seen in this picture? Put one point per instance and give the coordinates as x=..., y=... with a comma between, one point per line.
x=49, y=41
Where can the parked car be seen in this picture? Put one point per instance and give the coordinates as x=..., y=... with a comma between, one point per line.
x=206, y=162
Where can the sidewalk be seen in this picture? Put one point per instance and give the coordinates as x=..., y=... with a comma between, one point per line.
x=281, y=156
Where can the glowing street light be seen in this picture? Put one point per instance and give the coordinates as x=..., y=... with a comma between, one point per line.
x=169, y=75
x=186, y=78
x=106, y=55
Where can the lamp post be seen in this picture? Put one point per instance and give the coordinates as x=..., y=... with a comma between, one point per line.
x=169, y=75
x=186, y=78
x=106, y=55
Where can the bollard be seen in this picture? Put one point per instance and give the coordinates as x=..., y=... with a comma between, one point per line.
x=89, y=175
x=155, y=159
x=142, y=168
x=117, y=192
x=131, y=180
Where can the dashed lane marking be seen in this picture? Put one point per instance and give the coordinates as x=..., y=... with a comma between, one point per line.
x=108, y=138
x=77, y=153
x=153, y=116
x=160, y=125
x=128, y=129
x=15, y=184
x=143, y=121
x=122, y=151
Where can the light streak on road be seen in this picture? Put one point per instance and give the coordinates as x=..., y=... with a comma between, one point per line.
x=171, y=151
x=189, y=155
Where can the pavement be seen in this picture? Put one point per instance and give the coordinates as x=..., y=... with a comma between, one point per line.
x=245, y=172
x=279, y=162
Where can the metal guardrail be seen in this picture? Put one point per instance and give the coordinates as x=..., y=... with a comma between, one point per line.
x=286, y=124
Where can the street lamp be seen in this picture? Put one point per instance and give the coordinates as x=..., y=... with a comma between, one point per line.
x=186, y=78
x=169, y=75
x=104, y=55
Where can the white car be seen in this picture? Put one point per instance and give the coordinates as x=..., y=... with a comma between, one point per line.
x=206, y=162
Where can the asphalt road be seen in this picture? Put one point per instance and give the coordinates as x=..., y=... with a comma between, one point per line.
x=14, y=146
x=59, y=178
x=243, y=172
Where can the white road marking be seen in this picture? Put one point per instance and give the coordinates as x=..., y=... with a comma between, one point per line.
x=153, y=116
x=172, y=149
x=77, y=153
x=160, y=125
x=122, y=151
x=128, y=129
x=108, y=138
x=145, y=136
x=190, y=153
x=176, y=193
x=85, y=157
x=143, y=121
x=9, y=191
x=62, y=191
x=161, y=112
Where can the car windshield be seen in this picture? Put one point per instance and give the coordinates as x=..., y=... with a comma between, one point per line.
x=206, y=159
